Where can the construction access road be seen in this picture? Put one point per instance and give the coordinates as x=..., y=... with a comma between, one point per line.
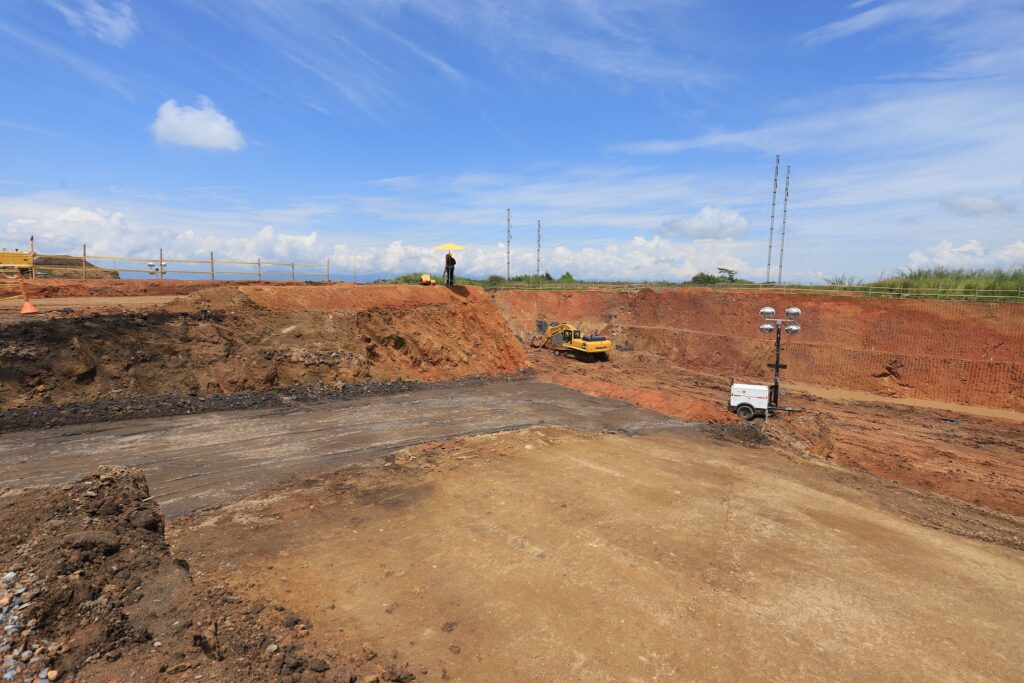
x=200, y=461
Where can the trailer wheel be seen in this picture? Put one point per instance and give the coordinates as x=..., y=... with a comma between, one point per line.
x=745, y=411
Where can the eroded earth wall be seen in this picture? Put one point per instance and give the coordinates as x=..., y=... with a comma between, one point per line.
x=960, y=352
x=232, y=339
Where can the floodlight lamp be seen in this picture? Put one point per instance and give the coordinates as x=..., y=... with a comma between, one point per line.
x=792, y=329
x=767, y=312
x=792, y=312
x=766, y=328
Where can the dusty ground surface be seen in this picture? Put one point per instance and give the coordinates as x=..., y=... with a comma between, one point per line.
x=75, y=287
x=199, y=461
x=10, y=308
x=942, y=450
x=553, y=555
x=90, y=592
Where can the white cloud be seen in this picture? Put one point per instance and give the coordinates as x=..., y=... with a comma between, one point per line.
x=203, y=126
x=711, y=221
x=636, y=259
x=112, y=22
x=880, y=15
x=976, y=205
x=971, y=253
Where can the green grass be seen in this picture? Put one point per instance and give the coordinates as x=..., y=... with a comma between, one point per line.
x=962, y=280
x=492, y=281
x=988, y=284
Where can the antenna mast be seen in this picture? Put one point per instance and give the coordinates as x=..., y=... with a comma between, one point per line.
x=538, y=251
x=508, y=244
x=782, y=237
x=771, y=224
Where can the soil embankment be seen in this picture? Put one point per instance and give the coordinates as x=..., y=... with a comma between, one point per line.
x=231, y=339
x=89, y=591
x=958, y=352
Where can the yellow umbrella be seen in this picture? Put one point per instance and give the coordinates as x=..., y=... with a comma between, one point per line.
x=448, y=246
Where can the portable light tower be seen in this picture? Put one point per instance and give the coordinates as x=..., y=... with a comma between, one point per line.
x=771, y=324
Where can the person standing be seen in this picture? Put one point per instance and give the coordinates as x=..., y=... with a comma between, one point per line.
x=449, y=269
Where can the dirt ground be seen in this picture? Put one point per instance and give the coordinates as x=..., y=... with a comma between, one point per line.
x=967, y=456
x=553, y=555
x=10, y=308
x=89, y=591
x=194, y=462
x=623, y=526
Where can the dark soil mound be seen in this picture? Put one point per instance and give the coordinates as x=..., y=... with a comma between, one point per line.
x=89, y=591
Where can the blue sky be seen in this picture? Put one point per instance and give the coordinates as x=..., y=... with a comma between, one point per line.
x=642, y=135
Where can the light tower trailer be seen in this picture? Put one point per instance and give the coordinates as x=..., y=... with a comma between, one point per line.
x=750, y=400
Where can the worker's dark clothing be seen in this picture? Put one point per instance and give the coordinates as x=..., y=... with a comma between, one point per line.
x=449, y=269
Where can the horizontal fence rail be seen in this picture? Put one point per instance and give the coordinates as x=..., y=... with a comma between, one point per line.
x=89, y=265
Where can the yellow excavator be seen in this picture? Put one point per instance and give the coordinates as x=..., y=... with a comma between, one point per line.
x=573, y=343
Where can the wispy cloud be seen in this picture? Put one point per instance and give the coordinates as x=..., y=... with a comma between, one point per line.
x=111, y=22
x=335, y=42
x=75, y=62
x=964, y=204
x=883, y=14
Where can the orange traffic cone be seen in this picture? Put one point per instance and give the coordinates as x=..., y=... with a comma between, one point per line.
x=27, y=308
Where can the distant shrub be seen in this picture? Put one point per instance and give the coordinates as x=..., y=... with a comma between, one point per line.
x=844, y=280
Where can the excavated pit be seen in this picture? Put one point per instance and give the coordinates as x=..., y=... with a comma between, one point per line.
x=958, y=352
x=391, y=542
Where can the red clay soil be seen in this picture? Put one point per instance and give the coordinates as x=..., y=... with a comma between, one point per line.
x=67, y=287
x=958, y=352
x=662, y=401
x=234, y=339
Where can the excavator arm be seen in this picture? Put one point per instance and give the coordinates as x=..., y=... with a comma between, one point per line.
x=549, y=334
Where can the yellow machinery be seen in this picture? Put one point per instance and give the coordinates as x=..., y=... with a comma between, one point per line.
x=573, y=343
x=15, y=263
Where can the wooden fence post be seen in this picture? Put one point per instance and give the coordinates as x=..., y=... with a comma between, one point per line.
x=32, y=254
x=328, y=270
x=213, y=275
x=259, y=269
x=161, y=264
x=293, y=271
x=83, y=261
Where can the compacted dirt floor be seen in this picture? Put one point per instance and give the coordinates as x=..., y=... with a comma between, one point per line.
x=969, y=453
x=549, y=554
x=197, y=461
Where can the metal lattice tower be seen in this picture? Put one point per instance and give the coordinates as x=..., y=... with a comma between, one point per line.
x=771, y=224
x=538, y=250
x=508, y=244
x=782, y=237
